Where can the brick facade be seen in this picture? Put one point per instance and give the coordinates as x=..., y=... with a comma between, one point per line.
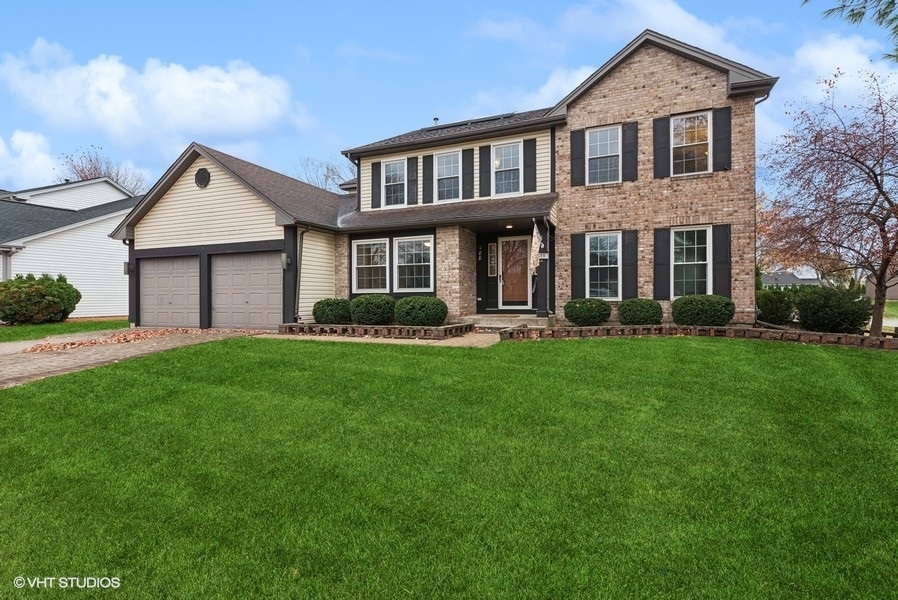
x=341, y=266
x=456, y=270
x=653, y=83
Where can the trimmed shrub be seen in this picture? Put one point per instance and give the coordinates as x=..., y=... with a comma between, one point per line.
x=639, y=311
x=26, y=299
x=702, y=310
x=587, y=312
x=776, y=307
x=833, y=310
x=421, y=311
x=332, y=311
x=372, y=309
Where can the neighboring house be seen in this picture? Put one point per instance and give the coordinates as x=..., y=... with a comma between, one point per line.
x=639, y=183
x=62, y=229
x=785, y=279
x=891, y=292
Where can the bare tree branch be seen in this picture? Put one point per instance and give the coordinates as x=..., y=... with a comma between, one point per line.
x=90, y=164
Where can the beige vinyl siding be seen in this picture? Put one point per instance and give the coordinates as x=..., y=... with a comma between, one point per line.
x=317, y=277
x=221, y=213
x=543, y=164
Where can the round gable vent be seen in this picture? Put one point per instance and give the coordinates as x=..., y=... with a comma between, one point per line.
x=202, y=177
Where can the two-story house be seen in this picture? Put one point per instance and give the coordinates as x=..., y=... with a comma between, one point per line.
x=639, y=183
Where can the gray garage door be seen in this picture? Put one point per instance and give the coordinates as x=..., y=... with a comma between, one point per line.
x=247, y=290
x=170, y=292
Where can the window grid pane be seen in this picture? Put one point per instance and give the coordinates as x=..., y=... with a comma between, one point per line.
x=690, y=144
x=603, y=266
x=413, y=264
x=507, y=162
x=690, y=257
x=394, y=183
x=371, y=266
x=603, y=155
x=448, y=184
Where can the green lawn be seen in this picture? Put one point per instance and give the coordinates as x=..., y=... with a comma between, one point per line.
x=891, y=310
x=15, y=333
x=615, y=468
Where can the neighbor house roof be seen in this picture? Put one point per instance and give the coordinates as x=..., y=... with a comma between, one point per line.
x=29, y=193
x=497, y=213
x=295, y=201
x=786, y=278
x=742, y=79
x=20, y=220
x=509, y=123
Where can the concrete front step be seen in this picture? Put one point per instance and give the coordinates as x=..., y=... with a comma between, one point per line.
x=497, y=322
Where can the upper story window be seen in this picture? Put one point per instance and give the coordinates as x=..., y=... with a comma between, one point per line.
x=507, y=169
x=448, y=176
x=394, y=183
x=603, y=155
x=691, y=261
x=690, y=150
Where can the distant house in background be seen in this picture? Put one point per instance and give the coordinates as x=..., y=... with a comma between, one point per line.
x=784, y=279
x=63, y=228
x=891, y=293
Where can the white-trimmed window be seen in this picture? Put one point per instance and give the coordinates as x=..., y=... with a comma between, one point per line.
x=370, y=266
x=691, y=261
x=690, y=147
x=394, y=182
x=603, y=272
x=448, y=176
x=603, y=164
x=507, y=169
x=413, y=270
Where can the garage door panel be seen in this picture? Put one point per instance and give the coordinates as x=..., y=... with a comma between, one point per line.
x=170, y=292
x=247, y=290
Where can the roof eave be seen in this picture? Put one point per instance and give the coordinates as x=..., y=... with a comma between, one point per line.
x=758, y=87
x=527, y=127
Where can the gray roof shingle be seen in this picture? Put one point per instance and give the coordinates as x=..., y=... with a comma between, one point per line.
x=458, y=131
x=21, y=220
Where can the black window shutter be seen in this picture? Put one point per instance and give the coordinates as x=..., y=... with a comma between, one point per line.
x=578, y=265
x=661, y=287
x=629, y=154
x=411, y=176
x=427, y=180
x=721, y=283
x=529, y=165
x=486, y=158
x=629, y=264
x=375, y=185
x=467, y=173
x=661, y=146
x=721, y=122
x=578, y=157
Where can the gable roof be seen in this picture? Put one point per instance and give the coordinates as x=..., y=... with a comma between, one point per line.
x=19, y=220
x=742, y=79
x=295, y=201
x=28, y=194
x=460, y=131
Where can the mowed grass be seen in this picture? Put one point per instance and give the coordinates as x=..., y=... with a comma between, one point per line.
x=16, y=333
x=616, y=468
x=891, y=309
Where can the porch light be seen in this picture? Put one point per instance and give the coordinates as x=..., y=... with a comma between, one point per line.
x=509, y=227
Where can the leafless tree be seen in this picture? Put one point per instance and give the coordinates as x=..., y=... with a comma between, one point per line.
x=326, y=174
x=90, y=164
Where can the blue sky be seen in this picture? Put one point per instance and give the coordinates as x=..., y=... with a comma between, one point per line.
x=279, y=82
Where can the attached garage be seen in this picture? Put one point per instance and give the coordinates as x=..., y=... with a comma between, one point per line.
x=170, y=291
x=247, y=290
x=220, y=242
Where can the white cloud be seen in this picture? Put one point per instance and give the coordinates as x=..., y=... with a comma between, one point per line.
x=161, y=104
x=26, y=161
